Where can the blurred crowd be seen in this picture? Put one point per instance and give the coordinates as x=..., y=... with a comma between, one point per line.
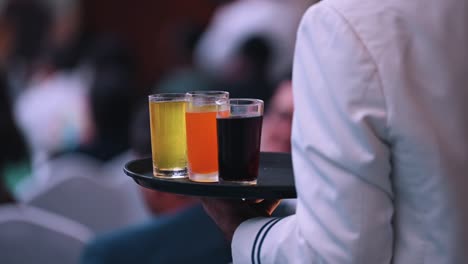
x=72, y=115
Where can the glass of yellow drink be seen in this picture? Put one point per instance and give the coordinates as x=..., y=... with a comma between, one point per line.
x=168, y=138
x=202, y=145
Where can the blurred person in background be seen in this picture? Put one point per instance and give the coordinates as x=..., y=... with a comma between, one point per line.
x=57, y=78
x=95, y=166
x=29, y=234
x=14, y=158
x=108, y=103
x=263, y=22
x=173, y=237
x=246, y=47
x=111, y=102
x=112, y=97
x=277, y=121
x=29, y=22
x=89, y=87
x=244, y=76
x=246, y=73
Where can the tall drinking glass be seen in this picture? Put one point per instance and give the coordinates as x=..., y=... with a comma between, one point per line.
x=168, y=138
x=202, y=145
x=239, y=135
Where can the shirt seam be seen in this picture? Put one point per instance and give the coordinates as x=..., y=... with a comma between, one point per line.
x=372, y=59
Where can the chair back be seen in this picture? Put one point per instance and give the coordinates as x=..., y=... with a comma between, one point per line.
x=33, y=235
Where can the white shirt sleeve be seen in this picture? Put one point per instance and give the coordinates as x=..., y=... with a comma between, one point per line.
x=340, y=156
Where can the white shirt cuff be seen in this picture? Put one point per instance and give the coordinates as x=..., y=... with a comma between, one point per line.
x=248, y=239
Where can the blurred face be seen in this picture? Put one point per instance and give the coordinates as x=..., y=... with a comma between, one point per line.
x=276, y=135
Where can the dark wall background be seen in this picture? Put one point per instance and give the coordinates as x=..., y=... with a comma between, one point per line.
x=149, y=28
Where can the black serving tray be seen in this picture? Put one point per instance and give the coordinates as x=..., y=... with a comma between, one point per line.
x=275, y=180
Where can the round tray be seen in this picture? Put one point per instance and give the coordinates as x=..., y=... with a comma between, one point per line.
x=275, y=180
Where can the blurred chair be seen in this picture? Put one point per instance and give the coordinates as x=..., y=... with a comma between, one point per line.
x=64, y=166
x=101, y=203
x=32, y=235
x=112, y=171
x=67, y=165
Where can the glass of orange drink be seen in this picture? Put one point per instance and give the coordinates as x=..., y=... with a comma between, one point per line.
x=202, y=145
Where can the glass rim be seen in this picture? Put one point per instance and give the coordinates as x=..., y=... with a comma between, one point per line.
x=242, y=107
x=166, y=97
x=249, y=101
x=208, y=93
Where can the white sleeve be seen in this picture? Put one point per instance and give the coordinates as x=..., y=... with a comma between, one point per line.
x=340, y=156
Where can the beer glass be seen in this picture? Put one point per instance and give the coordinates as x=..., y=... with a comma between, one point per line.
x=168, y=138
x=239, y=134
x=202, y=147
